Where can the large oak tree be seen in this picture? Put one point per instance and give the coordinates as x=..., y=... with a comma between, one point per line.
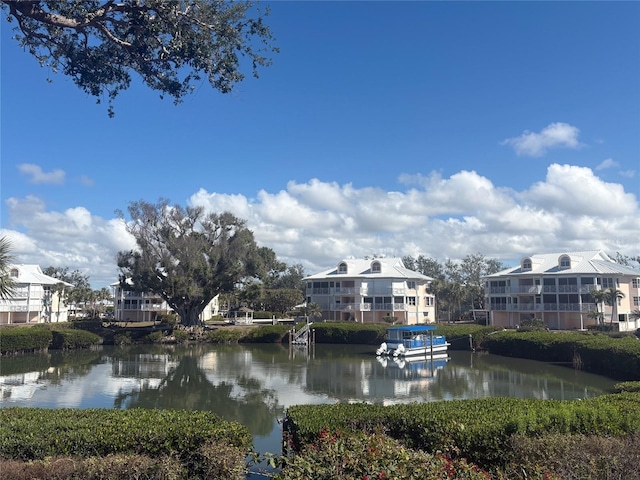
x=186, y=256
x=170, y=44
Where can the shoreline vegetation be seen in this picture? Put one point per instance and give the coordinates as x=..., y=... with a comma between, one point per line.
x=497, y=438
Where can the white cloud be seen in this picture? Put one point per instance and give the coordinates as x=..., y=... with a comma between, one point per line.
x=38, y=176
x=577, y=191
x=318, y=223
x=86, y=181
x=607, y=163
x=536, y=144
x=73, y=238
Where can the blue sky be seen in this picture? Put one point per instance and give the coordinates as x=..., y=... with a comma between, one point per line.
x=395, y=128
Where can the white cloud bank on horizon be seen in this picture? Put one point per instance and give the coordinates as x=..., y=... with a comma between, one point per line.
x=318, y=223
x=533, y=144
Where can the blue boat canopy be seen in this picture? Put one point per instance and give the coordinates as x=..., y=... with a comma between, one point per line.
x=413, y=328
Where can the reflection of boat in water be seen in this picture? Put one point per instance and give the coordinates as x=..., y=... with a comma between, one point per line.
x=439, y=361
x=413, y=368
x=412, y=340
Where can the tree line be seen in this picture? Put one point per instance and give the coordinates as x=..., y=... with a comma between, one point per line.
x=457, y=286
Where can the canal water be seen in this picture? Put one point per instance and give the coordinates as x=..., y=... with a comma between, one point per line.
x=254, y=384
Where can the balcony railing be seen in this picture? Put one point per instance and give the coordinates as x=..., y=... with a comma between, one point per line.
x=145, y=307
x=129, y=294
x=366, y=307
x=18, y=308
x=348, y=291
x=532, y=289
x=362, y=291
x=545, y=307
x=537, y=289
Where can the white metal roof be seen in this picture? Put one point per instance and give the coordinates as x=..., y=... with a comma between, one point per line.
x=32, y=275
x=361, y=268
x=586, y=262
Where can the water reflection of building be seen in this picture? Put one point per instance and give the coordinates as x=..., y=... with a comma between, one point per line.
x=468, y=375
x=20, y=386
x=383, y=381
x=243, y=380
x=150, y=368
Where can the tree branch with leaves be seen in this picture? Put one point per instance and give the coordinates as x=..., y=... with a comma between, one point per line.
x=170, y=44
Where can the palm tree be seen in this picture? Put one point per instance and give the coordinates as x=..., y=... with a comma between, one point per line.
x=635, y=315
x=612, y=295
x=436, y=288
x=596, y=315
x=456, y=293
x=599, y=297
x=312, y=310
x=61, y=291
x=7, y=285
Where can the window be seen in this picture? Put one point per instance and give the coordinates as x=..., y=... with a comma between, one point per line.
x=565, y=261
x=606, y=282
x=526, y=264
x=411, y=284
x=375, y=267
x=636, y=301
x=411, y=301
x=14, y=272
x=342, y=268
x=635, y=283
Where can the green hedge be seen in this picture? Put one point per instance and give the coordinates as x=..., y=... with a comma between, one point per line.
x=458, y=335
x=617, y=358
x=224, y=335
x=188, y=436
x=24, y=339
x=350, y=332
x=267, y=334
x=72, y=339
x=479, y=430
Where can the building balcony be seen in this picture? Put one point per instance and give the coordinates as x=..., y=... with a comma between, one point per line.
x=352, y=306
x=537, y=289
x=143, y=308
x=318, y=291
x=19, y=308
x=348, y=290
x=545, y=307
x=366, y=307
x=361, y=291
x=135, y=295
x=527, y=289
x=20, y=292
